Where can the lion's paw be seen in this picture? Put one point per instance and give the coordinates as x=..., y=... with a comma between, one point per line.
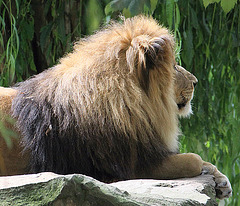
x=223, y=187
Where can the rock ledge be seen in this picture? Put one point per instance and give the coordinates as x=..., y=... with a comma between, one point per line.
x=70, y=190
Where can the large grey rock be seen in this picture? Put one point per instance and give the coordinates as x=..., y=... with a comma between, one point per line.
x=69, y=190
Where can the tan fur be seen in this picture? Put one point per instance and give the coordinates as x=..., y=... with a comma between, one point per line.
x=107, y=73
x=111, y=45
x=12, y=161
x=6, y=97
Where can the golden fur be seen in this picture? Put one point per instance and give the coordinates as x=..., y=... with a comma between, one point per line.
x=110, y=108
x=108, y=62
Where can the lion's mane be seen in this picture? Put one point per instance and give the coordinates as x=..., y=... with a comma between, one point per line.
x=107, y=109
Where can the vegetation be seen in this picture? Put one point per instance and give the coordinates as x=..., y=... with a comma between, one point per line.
x=35, y=34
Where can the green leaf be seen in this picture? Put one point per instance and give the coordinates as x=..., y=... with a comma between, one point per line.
x=194, y=19
x=27, y=30
x=134, y=6
x=17, y=6
x=137, y=6
x=177, y=17
x=47, y=5
x=119, y=5
x=7, y=133
x=45, y=33
x=53, y=9
x=207, y=51
x=228, y=5
x=108, y=9
x=12, y=67
x=188, y=51
x=200, y=39
x=126, y=13
x=207, y=2
x=169, y=12
x=153, y=5
x=207, y=144
x=61, y=30
x=94, y=17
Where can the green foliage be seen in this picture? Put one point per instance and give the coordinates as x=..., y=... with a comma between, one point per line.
x=34, y=36
x=46, y=27
x=8, y=47
x=227, y=5
x=95, y=15
x=131, y=7
x=7, y=133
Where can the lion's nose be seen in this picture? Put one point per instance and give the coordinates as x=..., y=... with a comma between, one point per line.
x=194, y=81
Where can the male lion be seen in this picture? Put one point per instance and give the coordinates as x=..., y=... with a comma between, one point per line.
x=110, y=109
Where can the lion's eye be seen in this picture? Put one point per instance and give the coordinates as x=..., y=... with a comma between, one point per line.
x=176, y=68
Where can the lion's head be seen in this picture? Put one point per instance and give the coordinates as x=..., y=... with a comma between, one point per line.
x=107, y=108
x=184, y=89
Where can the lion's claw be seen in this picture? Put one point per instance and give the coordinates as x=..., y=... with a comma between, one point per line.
x=223, y=187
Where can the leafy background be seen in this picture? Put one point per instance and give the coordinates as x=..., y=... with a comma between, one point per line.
x=34, y=34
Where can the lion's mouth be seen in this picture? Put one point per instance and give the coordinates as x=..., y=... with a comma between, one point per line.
x=181, y=105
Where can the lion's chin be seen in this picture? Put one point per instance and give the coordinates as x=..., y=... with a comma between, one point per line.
x=185, y=109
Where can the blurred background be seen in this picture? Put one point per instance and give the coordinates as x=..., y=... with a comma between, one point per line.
x=34, y=34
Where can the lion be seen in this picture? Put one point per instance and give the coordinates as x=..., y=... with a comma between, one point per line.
x=109, y=109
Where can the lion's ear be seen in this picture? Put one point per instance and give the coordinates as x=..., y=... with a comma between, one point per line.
x=147, y=53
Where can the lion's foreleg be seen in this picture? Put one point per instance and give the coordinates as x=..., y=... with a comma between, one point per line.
x=178, y=166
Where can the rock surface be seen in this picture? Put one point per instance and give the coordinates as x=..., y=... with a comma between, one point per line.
x=71, y=190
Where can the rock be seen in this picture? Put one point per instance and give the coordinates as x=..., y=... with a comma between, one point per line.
x=70, y=190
